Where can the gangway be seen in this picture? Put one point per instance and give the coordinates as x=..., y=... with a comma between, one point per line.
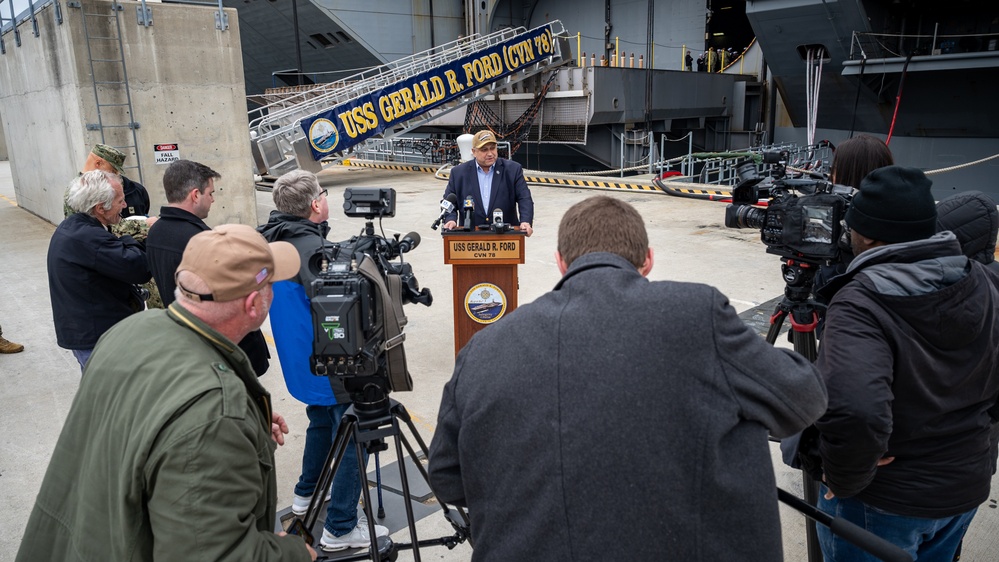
x=392, y=99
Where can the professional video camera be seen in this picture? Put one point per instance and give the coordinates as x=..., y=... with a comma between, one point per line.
x=357, y=297
x=807, y=228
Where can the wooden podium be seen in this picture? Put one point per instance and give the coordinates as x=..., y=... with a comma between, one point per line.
x=483, y=278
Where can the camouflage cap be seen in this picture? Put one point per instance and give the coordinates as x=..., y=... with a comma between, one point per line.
x=111, y=154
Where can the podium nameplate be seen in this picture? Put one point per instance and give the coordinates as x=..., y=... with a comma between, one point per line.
x=483, y=248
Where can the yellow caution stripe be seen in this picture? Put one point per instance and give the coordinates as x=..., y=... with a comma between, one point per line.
x=397, y=167
x=542, y=180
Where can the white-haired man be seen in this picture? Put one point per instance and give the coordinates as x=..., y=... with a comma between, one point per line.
x=93, y=273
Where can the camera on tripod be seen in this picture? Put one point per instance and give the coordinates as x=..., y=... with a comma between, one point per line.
x=356, y=301
x=807, y=227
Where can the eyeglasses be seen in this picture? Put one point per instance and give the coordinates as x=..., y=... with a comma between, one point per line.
x=322, y=192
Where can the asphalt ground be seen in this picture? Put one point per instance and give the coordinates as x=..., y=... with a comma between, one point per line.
x=688, y=238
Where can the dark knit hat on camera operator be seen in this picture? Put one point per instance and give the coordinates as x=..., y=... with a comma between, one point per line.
x=894, y=204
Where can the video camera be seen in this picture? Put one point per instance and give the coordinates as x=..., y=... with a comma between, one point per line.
x=807, y=228
x=356, y=300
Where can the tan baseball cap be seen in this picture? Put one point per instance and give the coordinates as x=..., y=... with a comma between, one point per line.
x=482, y=138
x=234, y=260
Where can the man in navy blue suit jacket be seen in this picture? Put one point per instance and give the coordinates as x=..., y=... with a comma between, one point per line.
x=492, y=183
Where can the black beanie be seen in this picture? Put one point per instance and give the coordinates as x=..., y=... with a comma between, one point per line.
x=894, y=204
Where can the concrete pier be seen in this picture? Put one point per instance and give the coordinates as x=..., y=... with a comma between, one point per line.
x=690, y=244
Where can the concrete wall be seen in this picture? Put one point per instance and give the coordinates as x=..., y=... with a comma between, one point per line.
x=186, y=87
x=3, y=142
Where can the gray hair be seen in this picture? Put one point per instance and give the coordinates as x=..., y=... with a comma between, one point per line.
x=295, y=191
x=90, y=189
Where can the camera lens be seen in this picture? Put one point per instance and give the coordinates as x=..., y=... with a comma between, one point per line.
x=744, y=216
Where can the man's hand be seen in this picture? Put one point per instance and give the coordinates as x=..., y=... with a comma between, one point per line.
x=279, y=428
x=830, y=495
x=526, y=227
x=312, y=551
x=450, y=225
x=886, y=460
x=151, y=220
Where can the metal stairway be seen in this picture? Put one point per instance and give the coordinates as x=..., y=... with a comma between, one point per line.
x=115, y=117
x=280, y=144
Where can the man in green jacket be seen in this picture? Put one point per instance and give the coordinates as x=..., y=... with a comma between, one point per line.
x=168, y=450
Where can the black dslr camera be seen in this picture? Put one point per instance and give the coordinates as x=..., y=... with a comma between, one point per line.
x=357, y=296
x=807, y=227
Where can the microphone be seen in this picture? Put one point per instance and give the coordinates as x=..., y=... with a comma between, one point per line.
x=498, y=224
x=448, y=205
x=408, y=242
x=469, y=211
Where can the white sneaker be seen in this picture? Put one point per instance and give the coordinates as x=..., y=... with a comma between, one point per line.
x=356, y=538
x=300, y=504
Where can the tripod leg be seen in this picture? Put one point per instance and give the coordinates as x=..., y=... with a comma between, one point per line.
x=401, y=412
x=405, y=487
x=366, y=493
x=378, y=485
x=776, y=321
x=805, y=344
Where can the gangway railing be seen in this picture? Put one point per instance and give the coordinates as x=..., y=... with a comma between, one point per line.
x=278, y=136
x=723, y=168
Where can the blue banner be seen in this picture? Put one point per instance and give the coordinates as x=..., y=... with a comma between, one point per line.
x=347, y=124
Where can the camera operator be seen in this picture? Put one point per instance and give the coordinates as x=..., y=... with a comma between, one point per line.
x=565, y=429
x=169, y=455
x=301, y=219
x=909, y=356
x=853, y=160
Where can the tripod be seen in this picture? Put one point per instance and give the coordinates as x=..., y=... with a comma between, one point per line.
x=371, y=418
x=803, y=310
x=804, y=313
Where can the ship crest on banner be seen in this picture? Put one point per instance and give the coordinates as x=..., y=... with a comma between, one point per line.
x=352, y=122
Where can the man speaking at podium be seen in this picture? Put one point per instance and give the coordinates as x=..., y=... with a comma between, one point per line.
x=490, y=182
x=573, y=430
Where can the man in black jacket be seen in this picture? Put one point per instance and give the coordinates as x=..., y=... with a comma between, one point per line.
x=672, y=465
x=190, y=192
x=909, y=356
x=92, y=272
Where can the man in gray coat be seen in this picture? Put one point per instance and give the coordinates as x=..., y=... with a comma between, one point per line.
x=619, y=418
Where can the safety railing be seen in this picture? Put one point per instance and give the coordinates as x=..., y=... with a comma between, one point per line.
x=9, y=18
x=873, y=46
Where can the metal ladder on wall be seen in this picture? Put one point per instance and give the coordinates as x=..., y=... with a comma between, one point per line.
x=104, y=36
x=275, y=130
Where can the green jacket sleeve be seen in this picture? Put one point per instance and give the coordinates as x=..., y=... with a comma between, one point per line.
x=208, y=479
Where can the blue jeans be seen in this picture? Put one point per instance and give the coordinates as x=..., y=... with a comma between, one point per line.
x=82, y=355
x=341, y=516
x=925, y=539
